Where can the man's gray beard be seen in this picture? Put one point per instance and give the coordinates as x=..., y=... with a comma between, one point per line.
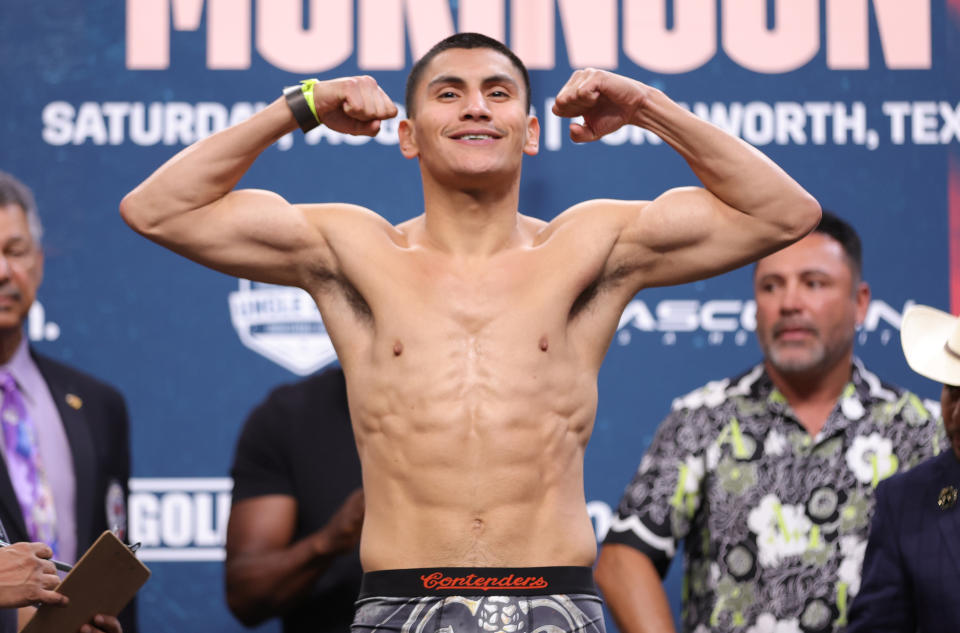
x=795, y=364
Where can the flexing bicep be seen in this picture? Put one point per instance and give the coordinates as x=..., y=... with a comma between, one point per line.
x=688, y=233
x=257, y=235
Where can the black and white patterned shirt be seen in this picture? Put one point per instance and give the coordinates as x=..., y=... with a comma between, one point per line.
x=774, y=521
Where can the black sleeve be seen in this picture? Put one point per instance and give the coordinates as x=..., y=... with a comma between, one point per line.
x=260, y=464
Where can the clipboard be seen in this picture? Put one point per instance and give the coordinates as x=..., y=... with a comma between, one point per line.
x=104, y=580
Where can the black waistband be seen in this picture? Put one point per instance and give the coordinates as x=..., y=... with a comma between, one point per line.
x=475, y=581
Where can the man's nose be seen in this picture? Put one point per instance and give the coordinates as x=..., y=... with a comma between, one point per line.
x=4, y=268
x=475, y=107
x=791, y=300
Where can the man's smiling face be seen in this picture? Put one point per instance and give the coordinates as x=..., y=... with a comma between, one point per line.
x=470, y=116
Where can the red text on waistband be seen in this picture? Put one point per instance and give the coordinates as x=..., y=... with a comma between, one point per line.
x=439, y=580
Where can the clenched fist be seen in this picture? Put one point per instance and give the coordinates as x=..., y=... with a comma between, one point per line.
x=606, y=102
x=352, y=105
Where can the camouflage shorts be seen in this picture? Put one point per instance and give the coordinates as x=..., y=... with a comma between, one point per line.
x=458, y=601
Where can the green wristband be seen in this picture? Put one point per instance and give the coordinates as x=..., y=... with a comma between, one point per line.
x=300, y=100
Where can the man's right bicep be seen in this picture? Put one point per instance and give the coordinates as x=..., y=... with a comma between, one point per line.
x=252, y=234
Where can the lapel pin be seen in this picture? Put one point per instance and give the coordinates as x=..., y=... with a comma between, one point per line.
x=947, y=498
x=76, y=402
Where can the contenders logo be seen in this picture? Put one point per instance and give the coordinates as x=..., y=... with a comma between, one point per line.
x=283, y=324
x=438, y=580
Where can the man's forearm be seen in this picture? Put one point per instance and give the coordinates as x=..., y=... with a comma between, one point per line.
x=633, y=591
x=265, y=584
x=207, y=170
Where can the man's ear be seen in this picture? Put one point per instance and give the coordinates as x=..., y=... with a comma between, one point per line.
x=39, y=268
x=532, y=145
x=862, y=297
x=408, y=139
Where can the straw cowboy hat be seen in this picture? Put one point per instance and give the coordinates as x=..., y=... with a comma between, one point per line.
x=931, y=343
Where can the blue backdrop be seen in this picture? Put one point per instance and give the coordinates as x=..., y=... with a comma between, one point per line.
x=858, y=99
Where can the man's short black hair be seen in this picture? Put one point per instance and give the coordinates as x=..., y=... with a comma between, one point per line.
x=461, y=40
x=844, y=234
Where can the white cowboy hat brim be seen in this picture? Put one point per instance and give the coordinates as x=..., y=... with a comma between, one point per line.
x=931, y=343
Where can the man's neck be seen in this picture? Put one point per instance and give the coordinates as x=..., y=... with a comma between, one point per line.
x=474, y=222
x=9, y=341
x=813, y=394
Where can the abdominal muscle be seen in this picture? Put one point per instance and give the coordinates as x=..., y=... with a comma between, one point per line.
x=469, y=461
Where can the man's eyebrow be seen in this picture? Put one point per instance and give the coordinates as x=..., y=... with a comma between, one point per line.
x=500, y=79
x=448, y=80
x=805, y=272
x=15, y=240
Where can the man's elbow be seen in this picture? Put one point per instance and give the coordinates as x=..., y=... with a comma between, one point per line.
x=803, y=216
x=245, y=596
x=244, y=608
x=134, y=212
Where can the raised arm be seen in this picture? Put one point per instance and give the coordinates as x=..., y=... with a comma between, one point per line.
x=748, y=207
x=189, y=204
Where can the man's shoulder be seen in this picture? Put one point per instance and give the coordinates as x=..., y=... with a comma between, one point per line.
x=58, y=372
x=911, y=481
x=899, y=400
x=876, y=387
x=716, y=393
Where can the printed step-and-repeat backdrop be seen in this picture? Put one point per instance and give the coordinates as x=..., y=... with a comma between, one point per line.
x=858, y=99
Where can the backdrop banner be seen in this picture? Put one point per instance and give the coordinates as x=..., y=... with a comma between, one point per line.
x=857, y=99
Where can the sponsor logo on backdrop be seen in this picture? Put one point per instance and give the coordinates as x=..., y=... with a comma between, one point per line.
x=721, y=321
x=282, y=324
x=179, y=519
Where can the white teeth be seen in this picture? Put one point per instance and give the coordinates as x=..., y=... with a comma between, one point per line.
x=475, y=137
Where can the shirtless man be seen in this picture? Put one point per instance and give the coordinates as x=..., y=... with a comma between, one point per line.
x=471, y=336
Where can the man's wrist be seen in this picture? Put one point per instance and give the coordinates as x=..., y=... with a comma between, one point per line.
x=299, y=99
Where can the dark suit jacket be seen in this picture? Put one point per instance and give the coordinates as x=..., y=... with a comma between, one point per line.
x=911, y=570
x=99, y=435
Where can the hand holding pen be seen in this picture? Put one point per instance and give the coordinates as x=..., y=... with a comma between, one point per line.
x=28, y=575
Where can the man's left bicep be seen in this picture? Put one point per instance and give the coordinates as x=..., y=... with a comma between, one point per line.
x=693, y=235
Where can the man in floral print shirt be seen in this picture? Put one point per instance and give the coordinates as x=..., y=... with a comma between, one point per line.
x=768, y=478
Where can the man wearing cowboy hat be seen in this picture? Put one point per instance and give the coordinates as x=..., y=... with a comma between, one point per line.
x=912, y=564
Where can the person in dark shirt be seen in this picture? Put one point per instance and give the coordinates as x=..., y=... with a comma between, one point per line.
x=297, y=510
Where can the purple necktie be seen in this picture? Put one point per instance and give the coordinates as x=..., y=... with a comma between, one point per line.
x=24, y=466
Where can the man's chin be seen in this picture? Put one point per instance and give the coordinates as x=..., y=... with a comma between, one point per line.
x=795, y=361
x=10, y=320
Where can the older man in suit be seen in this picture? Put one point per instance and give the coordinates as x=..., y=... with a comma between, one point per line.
x=911, y=570
x=64, y=435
